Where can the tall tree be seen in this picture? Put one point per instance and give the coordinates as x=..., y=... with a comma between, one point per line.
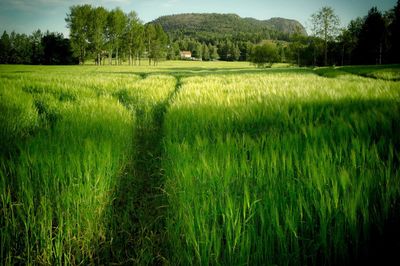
x=348, y=38
x=205, y=52
x=213, y=52
x=160, y=44
x=5, y=48
x=115, y=28
x=133, y=35
x=77, y=22
x=371, y=39
x=56, y=49
x=151, y=35
x=156, y=42
x=37, y=47
x=96, y=35
x=21, y=49
x=394, y=34
x=325, y=26
x=234, y=52
x=197, y=52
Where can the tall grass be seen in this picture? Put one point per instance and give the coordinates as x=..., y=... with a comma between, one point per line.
x=54, y=193
x=274, y=167
x=280, y=169
x=66, y=144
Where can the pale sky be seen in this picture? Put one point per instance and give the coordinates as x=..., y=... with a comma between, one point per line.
x=25, y=16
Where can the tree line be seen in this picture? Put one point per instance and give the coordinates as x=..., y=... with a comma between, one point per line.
x=372, y=39
x=49, y=48
x=112, y=35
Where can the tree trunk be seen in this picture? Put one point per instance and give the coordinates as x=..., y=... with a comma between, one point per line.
x=130, y=56
x=343, y=55
x=326, y=53
x=298, y=59
x=116, y=57
x=110, y=57
x=315, y=56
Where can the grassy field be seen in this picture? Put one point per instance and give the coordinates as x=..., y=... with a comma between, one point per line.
x=199, y=163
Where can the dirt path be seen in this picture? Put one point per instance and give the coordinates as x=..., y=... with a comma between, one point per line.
x=137, y=233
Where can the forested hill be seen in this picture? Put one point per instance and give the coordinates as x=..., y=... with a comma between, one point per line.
x=210, y=27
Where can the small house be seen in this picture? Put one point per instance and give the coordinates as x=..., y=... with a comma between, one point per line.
x=186, y=55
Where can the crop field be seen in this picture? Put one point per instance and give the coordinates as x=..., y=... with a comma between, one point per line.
x=203, y=163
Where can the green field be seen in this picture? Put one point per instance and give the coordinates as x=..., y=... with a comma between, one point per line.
x=204, y=163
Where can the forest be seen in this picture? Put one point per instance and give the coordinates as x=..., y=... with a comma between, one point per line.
x=113, y=37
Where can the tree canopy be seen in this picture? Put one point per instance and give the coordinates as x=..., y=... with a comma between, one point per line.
x=325, y=26
x=99, y=33
x=114, y=36
x=264, y=55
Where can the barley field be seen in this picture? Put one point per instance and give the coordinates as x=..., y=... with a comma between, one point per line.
x=199, y=163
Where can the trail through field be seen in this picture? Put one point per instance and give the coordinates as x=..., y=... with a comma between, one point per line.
x=140, y=203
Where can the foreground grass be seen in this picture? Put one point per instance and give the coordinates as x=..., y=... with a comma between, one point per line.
x=197, y=163
x=68, y=143
x=262, y=170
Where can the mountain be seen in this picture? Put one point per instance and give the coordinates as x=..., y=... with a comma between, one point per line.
x=213, y=26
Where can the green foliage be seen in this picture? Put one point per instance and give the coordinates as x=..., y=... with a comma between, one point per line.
x=394, y=35
x=264, y=55
x=156, y=40
x=79, y=29
x=65, y=152
x=280, y=169
x=133, y=37
x=325, y=26
x=370, y=45
x=216, y=27
x=198, y=163
x=99, y=33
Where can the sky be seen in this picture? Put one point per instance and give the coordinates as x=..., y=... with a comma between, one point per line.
x=25, y=16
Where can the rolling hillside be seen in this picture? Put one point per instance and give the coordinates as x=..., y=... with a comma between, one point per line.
x=206, y=27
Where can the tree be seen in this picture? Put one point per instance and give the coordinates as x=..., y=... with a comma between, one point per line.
x=245, y=48
x=197, y=50
x=325, y=26
x=394, y=34
x=37, y=48
x=150, y=33
x=173, y=51
x=77, y=22
x=213, y=52
x=159, y=44
x=156, y=41
x=21, y=49
x=224, y=50
x=371, y=39
x=234, y=52
x=5, y=48
x=116, y=22
x=56, y=50
x=349, y=39
x=264, y=55
x=133, y=35
x=96, y=35
x=205, y=52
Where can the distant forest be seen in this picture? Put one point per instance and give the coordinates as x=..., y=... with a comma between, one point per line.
x=114, y=37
